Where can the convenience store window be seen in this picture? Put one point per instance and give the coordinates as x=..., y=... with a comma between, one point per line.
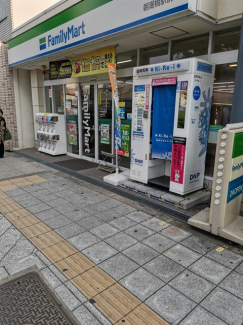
x=155, y=54
x=126, y=60
x=48, y=99
x=58, y=96
x=226, y=40
x=125, y=87
x=223, y=93
x=190, y=47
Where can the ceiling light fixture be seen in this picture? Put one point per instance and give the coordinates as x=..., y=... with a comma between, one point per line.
x=122, y=62
x=233, y=65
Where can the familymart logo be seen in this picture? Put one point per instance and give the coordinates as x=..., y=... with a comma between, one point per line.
x=63, y=37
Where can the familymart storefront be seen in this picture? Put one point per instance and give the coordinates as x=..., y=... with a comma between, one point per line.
x=73, y=45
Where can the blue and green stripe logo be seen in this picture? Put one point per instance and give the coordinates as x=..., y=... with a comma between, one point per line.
x=42, y=43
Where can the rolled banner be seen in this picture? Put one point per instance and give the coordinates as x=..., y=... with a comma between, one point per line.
x=113, y=81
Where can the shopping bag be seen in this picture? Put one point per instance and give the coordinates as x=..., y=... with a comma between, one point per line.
x=7, y=135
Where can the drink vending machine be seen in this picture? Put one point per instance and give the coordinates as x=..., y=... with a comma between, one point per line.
x=170, y=124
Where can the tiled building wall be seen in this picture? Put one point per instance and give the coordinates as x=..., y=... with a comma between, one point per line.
x=7, y=99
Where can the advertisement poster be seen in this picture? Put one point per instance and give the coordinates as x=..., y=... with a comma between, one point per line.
x=139, y=106
x=105, y=133
x=122, y=110
x=178, y=160
x=113, y=81
x=125, y=147
x=60, y=69
x=72, y=133
x=183, y=86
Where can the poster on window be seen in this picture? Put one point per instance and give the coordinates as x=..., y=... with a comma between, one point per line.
x=72, y=133
x=178, y=160
x=105, y=133
x=125, y=145
x=183, y=86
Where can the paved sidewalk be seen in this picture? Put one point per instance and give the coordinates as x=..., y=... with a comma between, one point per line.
x=113, y=262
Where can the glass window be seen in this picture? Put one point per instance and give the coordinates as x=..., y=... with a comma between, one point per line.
x=125, y=86
x=190, y=47
x=3, y=13
x=227, y=40
x=71, y=104
x=126, y=60
x=156, y=54
x=58, y=99
x=48, y=98
x=221, y=108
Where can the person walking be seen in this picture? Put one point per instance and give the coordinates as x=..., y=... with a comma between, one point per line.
x=2, y=131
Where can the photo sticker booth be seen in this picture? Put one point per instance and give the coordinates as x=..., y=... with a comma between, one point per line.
x=170, y=124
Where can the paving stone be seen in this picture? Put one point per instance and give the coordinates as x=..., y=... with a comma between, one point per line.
x=24, y=197
x=140, y=253
x=142, y=283
x=95, y=312
x=70, y=230
x=83, y=240
x=170, y=304
x=3, y=273
x=77, y=215
x=4, y=225
x=51, y=278
x=175, y=233
x=95, y=208
x=121, y=241
x=111, y=203
x=225, y=306
x=29, y=202
x=48, y=198
x=139, y=232
x=226, y=258
x=38, y=208
x=75, y=291
x=42, y=257
x=47, y=214
x=159, y=243
x=99, y=252
x=67, y=297
x=156, y=224
x=90, y=222
x=118, y=266
x=58, y=274
x=99, y=198
x=239, y=269
x=40, y=193
x=8, y=240
x=104, y=231
x=234, y=284
x=108, y=215
x=67, y=208
x=25, y=263
x=32, y=188
x=57, y=202
x=198, y=244
x=164, y=268
x=57, y=222
x=200, y=316
x=124, y=209
x=20, y=250
x=84, y=316
x=182, y=255
x=139, y=216
x=210, y=270
x=15, y=192
x=123, y=223
x=192, y=286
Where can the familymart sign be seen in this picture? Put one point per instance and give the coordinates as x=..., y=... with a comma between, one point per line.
x=88, y=21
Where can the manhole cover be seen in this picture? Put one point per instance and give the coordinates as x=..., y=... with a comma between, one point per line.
x=27, y=300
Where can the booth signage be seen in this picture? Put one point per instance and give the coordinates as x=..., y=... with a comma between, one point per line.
x=164, y=81
x=163, y=68
x=86, y=65
x=178, y=160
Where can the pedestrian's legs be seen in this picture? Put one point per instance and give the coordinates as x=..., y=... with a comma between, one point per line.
x=1, y=149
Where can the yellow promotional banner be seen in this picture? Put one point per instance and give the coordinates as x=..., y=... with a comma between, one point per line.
x=113, y=81
x=93, y=63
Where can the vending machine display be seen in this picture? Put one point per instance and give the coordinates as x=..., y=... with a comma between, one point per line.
x=51, y=134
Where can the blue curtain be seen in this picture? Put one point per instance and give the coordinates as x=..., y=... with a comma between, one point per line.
x=163, y=121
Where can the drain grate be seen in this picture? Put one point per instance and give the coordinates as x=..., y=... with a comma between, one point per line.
x=27, y=300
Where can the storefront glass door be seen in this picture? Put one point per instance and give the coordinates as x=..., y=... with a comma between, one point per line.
x=105, y=118
x=72, y=118
x=88, y=120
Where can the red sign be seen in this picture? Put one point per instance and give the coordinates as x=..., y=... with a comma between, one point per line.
x=164, y=81
x=178, y=160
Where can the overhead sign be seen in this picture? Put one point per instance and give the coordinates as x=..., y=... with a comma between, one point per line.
x=88, y=64
x=77, y=25
x=163, y=68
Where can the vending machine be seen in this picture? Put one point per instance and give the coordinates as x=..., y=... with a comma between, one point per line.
x=170, y=124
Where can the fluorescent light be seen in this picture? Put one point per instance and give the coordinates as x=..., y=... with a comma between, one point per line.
x=223, y=83
x=217, y=87
x=233, y=65
x=122, y=62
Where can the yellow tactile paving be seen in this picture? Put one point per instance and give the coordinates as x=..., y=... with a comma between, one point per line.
x=58, y=252
x=92, y=282
x=142, y=315
x=45, y=240
x=74, y=265
x=36, y=229
x=116, y=303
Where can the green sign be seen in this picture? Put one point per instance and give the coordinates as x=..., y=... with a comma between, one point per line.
x=126, y=130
